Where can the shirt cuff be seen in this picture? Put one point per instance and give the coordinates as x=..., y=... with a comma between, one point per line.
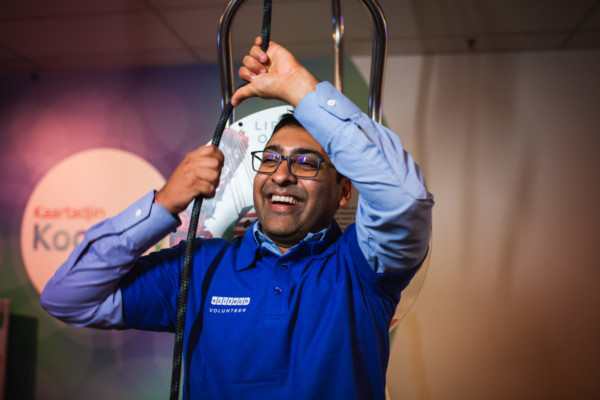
x=325, y=109
x=146, y=222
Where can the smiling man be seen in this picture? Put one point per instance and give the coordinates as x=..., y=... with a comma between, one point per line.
x=301, y=197
x=295, y=309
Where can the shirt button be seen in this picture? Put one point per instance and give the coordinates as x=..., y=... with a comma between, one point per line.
x=284, y=266
x=138, y=212
x=331, y=102
x=278, y=290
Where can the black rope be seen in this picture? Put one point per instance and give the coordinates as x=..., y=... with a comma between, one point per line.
x=188, y=258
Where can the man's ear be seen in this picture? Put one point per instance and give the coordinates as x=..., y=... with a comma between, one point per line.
x=345, y=192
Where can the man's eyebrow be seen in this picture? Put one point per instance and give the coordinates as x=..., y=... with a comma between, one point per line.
x=295, y=150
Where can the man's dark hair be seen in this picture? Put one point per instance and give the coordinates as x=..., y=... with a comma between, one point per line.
x=288, y=119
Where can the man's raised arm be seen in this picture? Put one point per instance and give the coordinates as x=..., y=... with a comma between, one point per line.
x=394, y=211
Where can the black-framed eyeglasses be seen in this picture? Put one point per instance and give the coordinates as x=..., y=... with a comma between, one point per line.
x=299, y=165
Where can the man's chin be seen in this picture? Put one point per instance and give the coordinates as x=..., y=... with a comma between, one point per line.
x=283, y=236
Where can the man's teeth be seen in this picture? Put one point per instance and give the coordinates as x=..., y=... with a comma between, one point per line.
x=283, y=199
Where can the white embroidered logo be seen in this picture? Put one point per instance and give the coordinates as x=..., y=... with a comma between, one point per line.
x=228, y=305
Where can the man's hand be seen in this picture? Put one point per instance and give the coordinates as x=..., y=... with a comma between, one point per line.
x=198, y=174
x=276, y=74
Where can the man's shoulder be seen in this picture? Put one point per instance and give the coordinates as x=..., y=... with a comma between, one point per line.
x=211, y=246
x=348, y=234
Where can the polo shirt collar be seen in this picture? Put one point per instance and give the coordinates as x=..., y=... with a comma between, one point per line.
x=254, y=241
x=266, y=243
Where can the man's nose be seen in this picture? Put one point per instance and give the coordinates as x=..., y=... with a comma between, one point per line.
x=283, y=173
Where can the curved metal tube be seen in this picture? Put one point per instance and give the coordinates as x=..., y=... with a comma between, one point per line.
x=338, y=45
x=224, y=49
x=378, y=55
x=377, y=58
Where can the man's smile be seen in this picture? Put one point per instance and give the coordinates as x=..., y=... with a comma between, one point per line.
x=283, y=202
x=283, y=199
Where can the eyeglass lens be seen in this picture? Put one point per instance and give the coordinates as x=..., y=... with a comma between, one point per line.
x=298, y=164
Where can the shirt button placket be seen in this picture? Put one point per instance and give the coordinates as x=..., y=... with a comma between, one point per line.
x=277, y=302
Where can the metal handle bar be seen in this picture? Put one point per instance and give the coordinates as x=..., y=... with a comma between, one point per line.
x=378, y=55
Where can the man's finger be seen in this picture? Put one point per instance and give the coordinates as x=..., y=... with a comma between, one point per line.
x=242, y=94
x=253, y=65
x=258, y=54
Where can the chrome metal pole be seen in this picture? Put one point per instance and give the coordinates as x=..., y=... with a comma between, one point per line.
x=338, y=45
x=224, y=52
x=377, y=58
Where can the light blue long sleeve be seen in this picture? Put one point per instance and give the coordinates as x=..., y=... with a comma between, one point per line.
x=394, y=210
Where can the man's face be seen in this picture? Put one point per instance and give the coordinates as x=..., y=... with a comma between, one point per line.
x=289, y=207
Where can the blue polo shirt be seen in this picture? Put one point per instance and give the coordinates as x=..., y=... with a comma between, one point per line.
x=311, y=324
